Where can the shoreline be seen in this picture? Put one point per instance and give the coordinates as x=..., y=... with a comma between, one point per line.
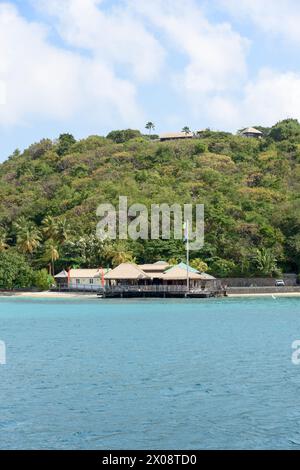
x=267, y=294
x=83, y=295
x=49, y=295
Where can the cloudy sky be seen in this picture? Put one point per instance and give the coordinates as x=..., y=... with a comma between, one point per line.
x=89, y=66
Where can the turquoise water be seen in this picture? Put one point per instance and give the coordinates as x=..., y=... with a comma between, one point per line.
x=199, y=374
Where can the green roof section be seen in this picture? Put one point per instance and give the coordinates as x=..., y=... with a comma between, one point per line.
x=184, y=266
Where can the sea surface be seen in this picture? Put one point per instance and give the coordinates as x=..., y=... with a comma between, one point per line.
x=150, y=374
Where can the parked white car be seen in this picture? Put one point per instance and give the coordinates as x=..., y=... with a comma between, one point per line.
x=279, y=283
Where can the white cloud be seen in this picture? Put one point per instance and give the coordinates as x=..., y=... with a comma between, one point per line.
x=49, y=82
x=2, y=92
x=271, y=97
x=215, y=78
x=108, y=50
x=278, y=17
x=223, y=112
x=216, y=55
x=115, y=36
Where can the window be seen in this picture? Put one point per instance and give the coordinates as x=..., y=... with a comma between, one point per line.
x=77, y=281
x=91, y=281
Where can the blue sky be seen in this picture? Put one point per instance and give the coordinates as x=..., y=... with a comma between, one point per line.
x=90, y=66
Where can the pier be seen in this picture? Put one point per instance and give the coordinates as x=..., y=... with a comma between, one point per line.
x=160, y=291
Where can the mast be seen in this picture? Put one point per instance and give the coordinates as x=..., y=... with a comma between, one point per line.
x=187, y=256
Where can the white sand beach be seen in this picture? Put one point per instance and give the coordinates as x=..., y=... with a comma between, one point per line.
x=269, y=294
x=50, y=295
x=90, y=295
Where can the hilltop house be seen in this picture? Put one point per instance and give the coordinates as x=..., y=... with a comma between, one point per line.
x=176, y=136
x=251, y=132
x=81, y=279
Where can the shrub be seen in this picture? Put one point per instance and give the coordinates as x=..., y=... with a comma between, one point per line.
x=200, y=147
x=286, y=129
x=220, y=267
x=65, y=142
x=42, y=279
x=198, y=264
x=122, y=136
x=39, y=149
x=15, y=271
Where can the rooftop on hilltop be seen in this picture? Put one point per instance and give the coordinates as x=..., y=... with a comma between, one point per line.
x=176, y=135
x=251, y=132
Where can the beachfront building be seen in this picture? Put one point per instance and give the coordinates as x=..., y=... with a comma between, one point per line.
x=81, y=279
x=176, y=136
x=159, y=279
x=252, y=133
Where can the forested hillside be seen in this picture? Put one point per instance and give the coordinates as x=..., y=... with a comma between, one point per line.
x=250, y=188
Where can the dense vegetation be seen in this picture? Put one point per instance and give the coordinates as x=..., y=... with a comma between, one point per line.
x=250, y=188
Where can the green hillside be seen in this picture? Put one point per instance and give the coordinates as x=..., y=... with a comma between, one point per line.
x=250, y=188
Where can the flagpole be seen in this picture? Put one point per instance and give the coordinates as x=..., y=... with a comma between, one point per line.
x=187, y=256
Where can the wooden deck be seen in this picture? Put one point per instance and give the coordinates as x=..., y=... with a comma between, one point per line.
x=160, y=292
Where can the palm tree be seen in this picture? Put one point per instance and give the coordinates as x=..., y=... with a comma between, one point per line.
x=122, y=257
x=50, y=227
x=21, y=223
x=51, y=254
x=198, y=264
x=3, y=240
x=117, y=254
x=28, y=236
x=63, y=231
x=266, y=262
x=186, y=130
x=150, y=126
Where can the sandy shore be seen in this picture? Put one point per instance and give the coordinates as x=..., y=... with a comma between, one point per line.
x=269, y=294
x=51, y=295
x=90, y=295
